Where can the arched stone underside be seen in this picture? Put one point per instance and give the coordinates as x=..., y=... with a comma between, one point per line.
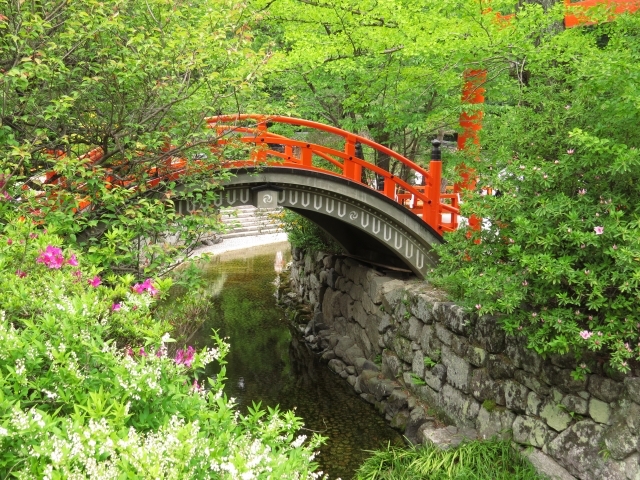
x=365, y=223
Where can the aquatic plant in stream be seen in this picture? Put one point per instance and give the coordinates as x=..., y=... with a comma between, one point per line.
x=476, y=460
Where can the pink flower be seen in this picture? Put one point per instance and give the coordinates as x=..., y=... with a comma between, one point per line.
x=570, y=151
x=525, y=283
x=116, y=307
x=21, y=274
x=556, y=161
x=478, y=306
x=185, y=357
x=586, y=334
x=152, y=290
x=73, y=261
x=567, y=107
x=51, y=257
x=615, y=247
x=534, y=314
x=95, y=281
x=522, y=167
x=587, y=272
x=9, y=241
x=141, y=352
x=188, y=357
x=582, y=191
x=545, y=176
x=598, y=230
x=146, y=285
x=33, y=236
x=582, y=246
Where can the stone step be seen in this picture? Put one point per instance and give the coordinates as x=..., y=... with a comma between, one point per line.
x=246, y=215
x=246, y=234
x=247, y=220
x=253, y=228
x=247, y=209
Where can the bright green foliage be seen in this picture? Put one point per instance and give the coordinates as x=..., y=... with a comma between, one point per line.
x=477, y=460
x=135, y=78
x=73, y=404
x=303, y=233
x=390, y=69
x=559, y=256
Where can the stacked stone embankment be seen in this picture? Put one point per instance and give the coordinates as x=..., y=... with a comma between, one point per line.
x=420, y=358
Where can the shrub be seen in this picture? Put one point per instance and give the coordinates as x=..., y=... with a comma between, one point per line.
x=557, y=258
x=73, y=403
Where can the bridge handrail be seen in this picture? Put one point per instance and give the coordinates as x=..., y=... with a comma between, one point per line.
x=423, y=200
x=350, y=137
x=351, y=168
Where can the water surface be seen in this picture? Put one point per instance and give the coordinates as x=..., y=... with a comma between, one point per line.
x=268, y=363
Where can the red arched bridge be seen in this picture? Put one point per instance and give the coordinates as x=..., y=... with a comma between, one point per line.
x=375, y=214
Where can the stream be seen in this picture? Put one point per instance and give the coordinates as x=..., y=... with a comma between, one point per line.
x=269, y=363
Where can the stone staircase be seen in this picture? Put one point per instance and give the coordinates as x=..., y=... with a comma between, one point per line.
x=247, y=220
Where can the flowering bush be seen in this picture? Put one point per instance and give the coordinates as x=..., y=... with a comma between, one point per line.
x=76, y=404
x=558, y=257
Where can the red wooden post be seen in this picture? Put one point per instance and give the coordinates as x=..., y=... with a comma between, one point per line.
x=306, y=155
x=471, y=123
x=435, y=176
x=349, y=164
x=390, y=187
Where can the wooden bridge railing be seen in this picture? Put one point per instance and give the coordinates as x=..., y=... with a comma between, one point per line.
x=426, y=200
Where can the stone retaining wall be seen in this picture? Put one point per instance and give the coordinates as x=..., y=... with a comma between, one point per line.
x=413, y=354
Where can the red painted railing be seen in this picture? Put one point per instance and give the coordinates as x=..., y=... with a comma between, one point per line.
x=426, y=200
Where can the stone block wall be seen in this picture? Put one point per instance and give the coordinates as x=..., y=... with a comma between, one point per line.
x=409, y=351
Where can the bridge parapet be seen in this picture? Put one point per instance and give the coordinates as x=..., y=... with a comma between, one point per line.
x=424, y=200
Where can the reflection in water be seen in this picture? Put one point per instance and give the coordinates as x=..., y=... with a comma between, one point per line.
x=278, y=264
x=267, y=363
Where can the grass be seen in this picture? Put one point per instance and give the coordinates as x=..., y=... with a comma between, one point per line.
x=475, y=460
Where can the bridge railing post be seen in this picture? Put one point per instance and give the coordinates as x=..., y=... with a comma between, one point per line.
x=260, y=155
x=390, y=188
x=351, y=170
x=360, y=172
x=434, y=216
x=306, y=155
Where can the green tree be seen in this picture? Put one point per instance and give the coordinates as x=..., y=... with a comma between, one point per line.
x=391, y=70
x=135, y=79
